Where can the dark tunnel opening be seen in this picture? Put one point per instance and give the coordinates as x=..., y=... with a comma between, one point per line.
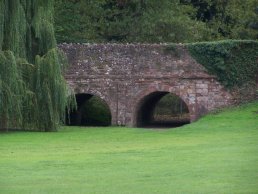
x=91, y=111
x=162, y=110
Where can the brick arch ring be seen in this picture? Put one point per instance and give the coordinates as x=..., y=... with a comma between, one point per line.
x=101, y=96
x=161, y=88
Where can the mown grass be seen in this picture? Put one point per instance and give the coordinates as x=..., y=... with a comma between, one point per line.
x=217, y=154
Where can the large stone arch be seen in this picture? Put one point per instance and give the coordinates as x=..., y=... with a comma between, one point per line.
x=139, y=98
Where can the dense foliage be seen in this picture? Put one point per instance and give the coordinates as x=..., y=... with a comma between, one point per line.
x=171, y=104
x=95, y=112
x=235, y=63
x=155, y=21
x=33, y=92
x=227, y=19
x=125, y=21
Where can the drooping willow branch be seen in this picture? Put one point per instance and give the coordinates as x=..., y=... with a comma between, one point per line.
x=33, y=92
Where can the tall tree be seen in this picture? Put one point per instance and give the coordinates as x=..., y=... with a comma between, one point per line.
x=33, y=92
x=126, y=21
x=155, y=21
x=227, y=19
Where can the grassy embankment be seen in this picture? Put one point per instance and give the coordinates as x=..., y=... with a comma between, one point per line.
x=217, y=154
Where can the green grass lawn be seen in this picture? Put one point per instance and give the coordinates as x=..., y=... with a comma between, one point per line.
x=217, y=154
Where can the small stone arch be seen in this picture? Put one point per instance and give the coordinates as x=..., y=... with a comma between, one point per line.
x=160, y=91
x=84, y=95
x=104, y=96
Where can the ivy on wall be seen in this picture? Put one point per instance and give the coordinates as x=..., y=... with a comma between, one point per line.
x=234, y=62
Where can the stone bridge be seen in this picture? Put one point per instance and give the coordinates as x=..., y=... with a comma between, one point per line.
x=131, y=78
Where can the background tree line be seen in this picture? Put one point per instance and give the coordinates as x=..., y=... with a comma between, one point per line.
x=155, y=21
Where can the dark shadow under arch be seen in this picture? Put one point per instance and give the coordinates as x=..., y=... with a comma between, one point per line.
x=162, y=110
x=91, y=111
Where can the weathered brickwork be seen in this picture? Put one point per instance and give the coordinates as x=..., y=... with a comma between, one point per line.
x=124, y=74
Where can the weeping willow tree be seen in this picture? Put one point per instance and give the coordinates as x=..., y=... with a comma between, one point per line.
x=33, y=92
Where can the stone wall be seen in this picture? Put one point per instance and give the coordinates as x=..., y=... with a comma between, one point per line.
x=123, y=74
